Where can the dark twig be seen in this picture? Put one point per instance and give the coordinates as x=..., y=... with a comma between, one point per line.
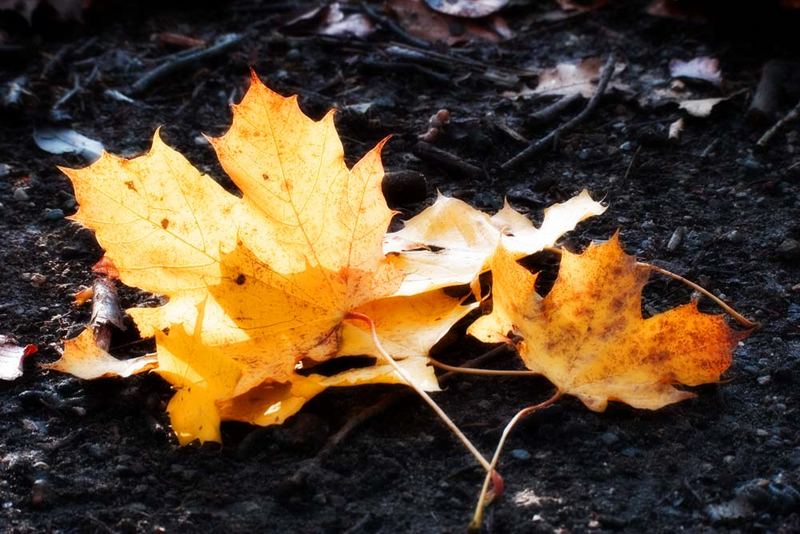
x=448, y=161
x=538, y=146
x=392, y=26
x=548, y=113
x=185, y=60
x=790, y=117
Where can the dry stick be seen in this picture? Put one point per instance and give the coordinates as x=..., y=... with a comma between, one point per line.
x=184, y=60
x=392, y=26
x=548, y=113
x=790, y=117
x=421, y=392
x=538, y=146
x=477, y=518
x=451, y=162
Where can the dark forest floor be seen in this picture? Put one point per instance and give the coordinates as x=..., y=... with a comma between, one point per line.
x=77, y=456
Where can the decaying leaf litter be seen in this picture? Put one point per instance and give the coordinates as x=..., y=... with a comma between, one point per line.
x=445, y=145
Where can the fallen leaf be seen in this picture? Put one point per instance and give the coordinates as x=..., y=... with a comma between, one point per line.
x=255, y=284
x=57, y=140
x=421, y=21
x=700, y=68
x=11, y=357
x=451, y=243
x=588, y=336
x=337, y=23
x=700, y=107
x=570, y=78
x=467, y=8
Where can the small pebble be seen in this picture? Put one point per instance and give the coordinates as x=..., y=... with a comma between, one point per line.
x=760, y=432
x=609, y=438
x=20, y=194
x=39, y=492
x=294, y=54
x=734, y=236
x=626, y=146
x=54, y=214
x=521, y=454
x=5, y=168
x=676, y=239
x=763, y=380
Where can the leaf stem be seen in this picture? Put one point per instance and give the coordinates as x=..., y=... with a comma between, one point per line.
x=483, y=498
x=422, y=393
x=741, y=319
x=477, y=371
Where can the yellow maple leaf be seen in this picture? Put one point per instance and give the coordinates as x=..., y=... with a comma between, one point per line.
x=588, y=336
x=257, y=284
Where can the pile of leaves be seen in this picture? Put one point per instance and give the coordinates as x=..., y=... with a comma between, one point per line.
x=260, y=288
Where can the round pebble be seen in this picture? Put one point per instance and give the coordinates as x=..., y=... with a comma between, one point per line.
x=20, y=194
x=520, y=454
x=54, y=214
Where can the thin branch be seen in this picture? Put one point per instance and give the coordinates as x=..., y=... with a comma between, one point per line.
x=790, y=117
x=185, y=60
x=547, y=140
x=738, y=317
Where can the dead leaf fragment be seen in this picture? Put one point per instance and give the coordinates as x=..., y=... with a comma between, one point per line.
x=11, y=357
x=336, y=22
x=589, y=338
x=569, y=78
x=467, y=8
x=581, y=6
x=700, y=107
x=421, y=21
x=82, y=357
x=700, y=68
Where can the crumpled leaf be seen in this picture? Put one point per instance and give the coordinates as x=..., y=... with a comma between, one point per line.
x=588, y=336
x=260, y=283
x=11, y=357
x=451, y=243
x=570, y=78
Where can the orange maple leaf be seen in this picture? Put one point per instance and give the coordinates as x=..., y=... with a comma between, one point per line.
x=588, y=336
x=257, y=285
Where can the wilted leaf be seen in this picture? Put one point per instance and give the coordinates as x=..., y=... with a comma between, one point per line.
x=421, y=21
x=570, y=78
x=65, y=141
x=451, y=243
x=256, y=284
x=588, y=336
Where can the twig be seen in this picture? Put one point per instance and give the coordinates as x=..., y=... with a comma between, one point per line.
x=550, y=112
x=185, y=60
x=477, y=518
x=445, y=159
x=106, y=312
x=790, y=117
x=392, y=26
x=538, y=146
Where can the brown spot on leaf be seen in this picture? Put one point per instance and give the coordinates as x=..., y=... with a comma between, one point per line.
x=129, y=184
x=240, y=279
x=164, y=223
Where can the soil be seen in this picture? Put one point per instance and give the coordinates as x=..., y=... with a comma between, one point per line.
x=99, y=456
